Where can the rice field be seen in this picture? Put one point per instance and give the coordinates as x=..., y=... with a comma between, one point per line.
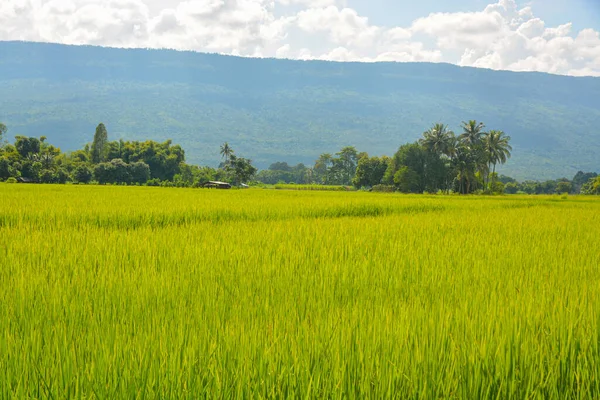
x=139, y=292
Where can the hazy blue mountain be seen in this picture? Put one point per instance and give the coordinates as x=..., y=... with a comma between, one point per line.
x=280, y=110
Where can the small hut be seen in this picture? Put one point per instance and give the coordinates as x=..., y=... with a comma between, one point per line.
x=216, y=185
x=25, y=180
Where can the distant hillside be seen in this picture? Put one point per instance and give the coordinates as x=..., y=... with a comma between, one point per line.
x=279, y=110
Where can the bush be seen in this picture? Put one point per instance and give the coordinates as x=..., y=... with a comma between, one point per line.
x=61, y=176
x=511, y=188
x=82, y=174
x=383, y=188
x=46, y=176
x=11, y=180
x=153, y=182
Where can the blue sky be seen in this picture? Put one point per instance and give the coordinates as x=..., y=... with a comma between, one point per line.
x=555, y=36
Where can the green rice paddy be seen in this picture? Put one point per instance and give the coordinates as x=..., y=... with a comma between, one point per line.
x=135, y=292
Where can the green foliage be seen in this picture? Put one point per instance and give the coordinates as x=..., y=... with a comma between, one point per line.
x=592, y=186
x=407, y=180
x=118, y=171
x=338, y=170
x=240, y=169
x=82, y=174
x=99, y=148
x=3, y=131
x=370, y=171
x=164, y=159
x=27, y=147
x=511, y=188
x=580, y=179
x=139, y=172
x=344, y=165
x=226, y=152
x=4, y=168
x=414, y=169
x=281, y=172
x=383, y=188
x=564, y=186
x=11, y=180
x=46, y=176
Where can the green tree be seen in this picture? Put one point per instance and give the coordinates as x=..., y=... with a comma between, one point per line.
x=439, y=140
x=322, y=169
x=241, y=169
x=564, y=186
x=3, y=131
x=464, y=165
x=498, y=149
x=164, y=159
x=345, y=162
x=226, y=152
x=114, y=171
x=60, y=176
x=511, y=188
x=4, y=168
x=407, y=180
x=473, y=133
x=592, y=186
x=27, y=147
x=99, y=145
x=580, y=179
x=139, y=172
x=370, y=171
x=82, y=174
x=430, y=169
x=280, y=166
x=46, y=176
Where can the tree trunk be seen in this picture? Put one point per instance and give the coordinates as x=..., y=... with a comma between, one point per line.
x=493, y=175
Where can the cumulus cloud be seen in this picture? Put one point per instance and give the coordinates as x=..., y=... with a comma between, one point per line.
x=500, y=36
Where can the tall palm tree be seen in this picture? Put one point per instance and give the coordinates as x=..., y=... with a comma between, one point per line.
x=439, y=140
x=472, y=139
x=498, y=149
x=473, y=133
x=464, y=164
x=226, y=152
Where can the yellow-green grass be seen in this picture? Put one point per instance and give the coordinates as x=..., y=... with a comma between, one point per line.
x=315, y=187
x=133, y=292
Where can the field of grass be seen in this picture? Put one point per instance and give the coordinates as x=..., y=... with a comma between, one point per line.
x=329, y=188
x=135, y=292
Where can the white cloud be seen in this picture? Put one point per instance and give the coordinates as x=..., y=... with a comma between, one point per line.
x=500, y=36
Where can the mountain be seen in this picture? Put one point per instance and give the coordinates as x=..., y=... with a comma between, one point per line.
x=282, y=110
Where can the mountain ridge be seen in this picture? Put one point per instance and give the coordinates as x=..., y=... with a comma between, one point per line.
x=288, y=110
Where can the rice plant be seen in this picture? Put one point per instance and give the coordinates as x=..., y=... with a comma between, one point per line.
x=139, y=292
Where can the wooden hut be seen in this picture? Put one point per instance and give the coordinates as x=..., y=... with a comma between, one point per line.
x=216, y=185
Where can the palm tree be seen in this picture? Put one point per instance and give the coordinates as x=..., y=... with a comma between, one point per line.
x=472, y=133
x=438, y=140
x=226, y=151
x=472, y=139
x=497, y=148
x=464, y=164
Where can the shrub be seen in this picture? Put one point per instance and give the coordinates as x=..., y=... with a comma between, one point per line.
x=11, y=180
x=82, y=174
x=383, y=188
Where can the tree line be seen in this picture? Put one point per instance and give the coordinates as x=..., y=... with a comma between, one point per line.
x=31, y=159
x=441, y=161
